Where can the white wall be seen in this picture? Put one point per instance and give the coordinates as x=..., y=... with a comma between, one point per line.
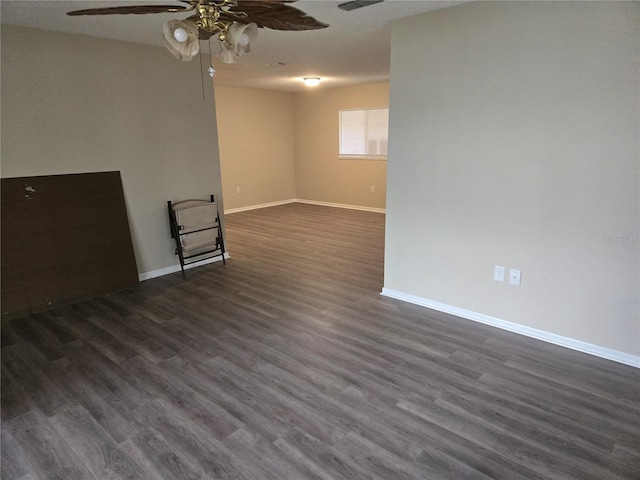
x=73, y=104
x=514, y=141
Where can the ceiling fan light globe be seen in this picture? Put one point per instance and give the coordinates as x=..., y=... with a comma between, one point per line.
x=243, y=41
x=182, y=50
x=227, y=55
x=180, y=34
x=240, y=37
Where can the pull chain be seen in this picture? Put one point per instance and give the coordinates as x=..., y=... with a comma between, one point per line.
x=202, y=74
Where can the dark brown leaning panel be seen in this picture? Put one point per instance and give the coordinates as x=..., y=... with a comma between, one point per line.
x=63, y=237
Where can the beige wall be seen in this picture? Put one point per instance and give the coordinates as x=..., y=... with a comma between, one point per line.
x=279, y=147
x=255, y=129
x=75, y=104
x=514, y=141
x=320, y=174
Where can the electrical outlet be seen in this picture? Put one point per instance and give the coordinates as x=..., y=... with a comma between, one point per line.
x=237, y=189
x=373, y=189
x=498, y=274
x=514, y=276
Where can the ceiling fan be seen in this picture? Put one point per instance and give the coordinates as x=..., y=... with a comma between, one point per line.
x=234, y=22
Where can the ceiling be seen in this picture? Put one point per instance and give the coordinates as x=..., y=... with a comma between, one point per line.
x=354, y=49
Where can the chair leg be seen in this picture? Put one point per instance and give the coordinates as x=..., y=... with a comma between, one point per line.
x=224, y=261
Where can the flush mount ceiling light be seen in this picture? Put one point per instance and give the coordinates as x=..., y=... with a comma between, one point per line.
x=234, y=22
x=311, y=81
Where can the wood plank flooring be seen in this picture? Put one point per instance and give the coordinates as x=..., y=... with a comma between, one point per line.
x=288, y=364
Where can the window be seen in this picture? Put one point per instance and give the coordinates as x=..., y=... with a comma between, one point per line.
x=364, y=133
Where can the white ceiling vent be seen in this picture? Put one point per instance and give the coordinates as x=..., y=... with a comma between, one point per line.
x=354, y=4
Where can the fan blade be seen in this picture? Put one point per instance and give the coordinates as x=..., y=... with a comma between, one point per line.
x=273, y=14
x=130, y=10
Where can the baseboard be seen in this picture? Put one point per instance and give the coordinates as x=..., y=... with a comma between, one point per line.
x=176, y=268
x=341, y=205
x=309, y=202
x=256, y=207
x=609, y=354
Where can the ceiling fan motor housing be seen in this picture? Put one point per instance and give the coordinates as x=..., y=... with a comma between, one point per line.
x=209, y=17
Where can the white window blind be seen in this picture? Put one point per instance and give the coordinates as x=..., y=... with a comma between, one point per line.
x=364, y=132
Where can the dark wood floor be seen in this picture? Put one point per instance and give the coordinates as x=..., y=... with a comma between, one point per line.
x=288, y=364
